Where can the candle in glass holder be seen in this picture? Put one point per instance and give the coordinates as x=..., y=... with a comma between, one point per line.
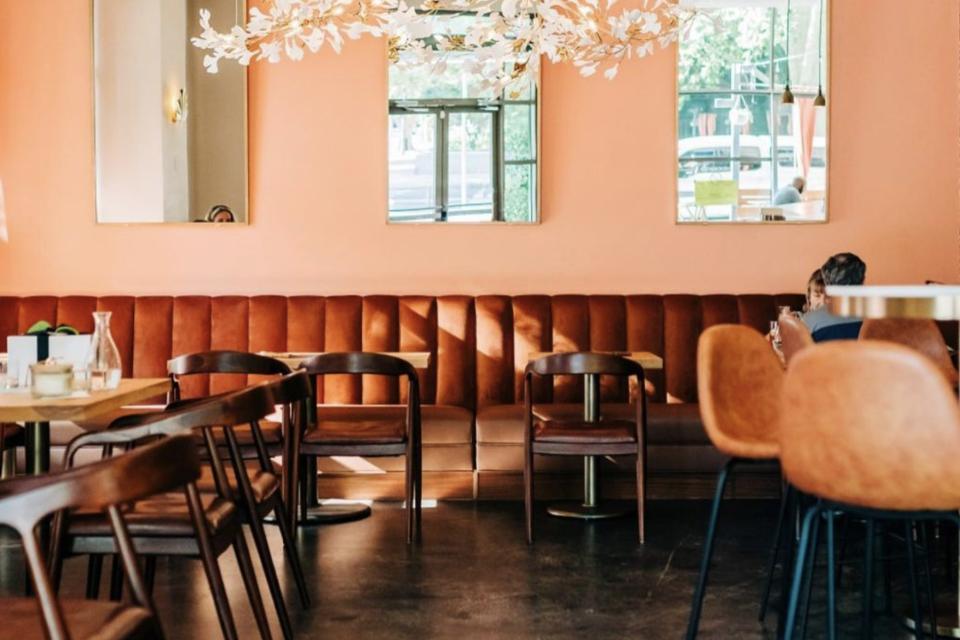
x=51, y=379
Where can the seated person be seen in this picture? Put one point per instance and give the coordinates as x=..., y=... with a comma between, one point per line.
x=220, y=213
x=841, y=269
x=816, y=292
x=790, y=193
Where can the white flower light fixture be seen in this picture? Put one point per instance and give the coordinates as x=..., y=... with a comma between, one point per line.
x=508, y=37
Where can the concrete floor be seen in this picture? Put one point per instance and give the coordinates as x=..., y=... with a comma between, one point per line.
x=475, y=577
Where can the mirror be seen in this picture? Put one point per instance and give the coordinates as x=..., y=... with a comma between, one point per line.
x=458, y=151
x=744, y=153
x=170, y=138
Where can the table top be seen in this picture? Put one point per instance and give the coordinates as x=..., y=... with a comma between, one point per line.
x=939, y=302
x=645, y=359
x=19, y=405
x=293, y=359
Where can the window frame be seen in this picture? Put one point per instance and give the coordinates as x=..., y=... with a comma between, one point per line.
x=774, y=92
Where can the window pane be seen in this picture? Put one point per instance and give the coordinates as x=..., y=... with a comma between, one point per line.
x=519, y=192
x=413, y=162
x=470, y=166
x=519, y=132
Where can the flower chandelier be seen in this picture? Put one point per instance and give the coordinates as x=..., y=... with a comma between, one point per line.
x=507, y=38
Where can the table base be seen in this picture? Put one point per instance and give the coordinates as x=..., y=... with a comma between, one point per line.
x=335, y=513
x=586, y=512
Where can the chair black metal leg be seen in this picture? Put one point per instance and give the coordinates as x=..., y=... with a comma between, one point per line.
x=116, y=578
x=249, y=577
x=885, y=566
x=912, y=575
x=150, y=573
x=810, y=575
x=842, y=554
x=775, y=551
x=293, y=557
x=694, y=623
x=866, y=628
x=831, y=580
x=799, y=566
x=928, y=577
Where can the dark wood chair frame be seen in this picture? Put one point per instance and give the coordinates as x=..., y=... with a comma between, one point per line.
x=581, y=364
x=103, y=486
x=376, y=364
x=200, y=418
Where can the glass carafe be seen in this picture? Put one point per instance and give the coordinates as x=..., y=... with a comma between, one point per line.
x=103, y=359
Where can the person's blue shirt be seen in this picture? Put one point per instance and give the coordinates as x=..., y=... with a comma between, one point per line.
x=825, y=326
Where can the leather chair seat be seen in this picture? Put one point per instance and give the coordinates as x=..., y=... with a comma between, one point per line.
x=579, y=432
x=165, y=515
x=356, y=431
x=439, y=424
x=84, y=618
x=262, y=483
x=667, y=424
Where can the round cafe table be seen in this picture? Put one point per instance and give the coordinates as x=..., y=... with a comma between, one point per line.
x=936, y=302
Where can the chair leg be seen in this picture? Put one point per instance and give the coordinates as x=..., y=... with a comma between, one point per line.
x=810, y=575
x=693, y=624
x=270, y=572
x=249, y=576
x=418, y=492
x=116, y=578
x=409, y=470
x=150, y=573
x=799, y=567
x=94, y=570
x=775, y=551
x=641, y=493
x=928, y=577
x=831, y=580
x=210, y=566
x=866, y=628
x=912, y=575
x=528, y=493
x=293, y=557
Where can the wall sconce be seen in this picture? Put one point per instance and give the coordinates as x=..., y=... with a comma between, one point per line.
x=178, y=108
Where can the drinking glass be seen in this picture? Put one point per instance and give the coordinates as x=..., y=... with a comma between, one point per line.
x=775, y=333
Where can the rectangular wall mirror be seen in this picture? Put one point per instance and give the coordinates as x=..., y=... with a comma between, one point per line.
x=744, y=153
x=459, y=152
x=170, y=138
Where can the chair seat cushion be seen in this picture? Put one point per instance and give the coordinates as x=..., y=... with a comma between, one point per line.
x=386, y=431
x=84, y=618
x=165, y=515
x=667, y=424
x=263, y=484
x=12, y=435
x=439, y=424
x=579, y=432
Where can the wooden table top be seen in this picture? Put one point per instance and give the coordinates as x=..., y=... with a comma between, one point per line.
x=419, y=359
x=645, y=359
x=939, y=302
x=19, y=405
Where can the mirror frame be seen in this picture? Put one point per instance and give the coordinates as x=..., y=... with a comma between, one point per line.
x=246, y=139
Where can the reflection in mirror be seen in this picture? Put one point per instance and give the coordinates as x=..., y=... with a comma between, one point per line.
x=745, y=154
x=459, y=152
x=171, y=139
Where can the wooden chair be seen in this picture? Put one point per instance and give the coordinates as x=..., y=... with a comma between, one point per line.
x=102, y=487
x=794, y=337
x=580, y=438
x=871, y=429
x=203, y=527
x=11, y=437
x=739, y=379
x=370, y=438
x=230, y=362
x=917, y=334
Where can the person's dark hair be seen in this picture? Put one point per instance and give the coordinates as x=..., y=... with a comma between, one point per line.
x=217, y=208
x=844, y=269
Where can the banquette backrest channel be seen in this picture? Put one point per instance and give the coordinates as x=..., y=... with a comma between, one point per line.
x=479, y=345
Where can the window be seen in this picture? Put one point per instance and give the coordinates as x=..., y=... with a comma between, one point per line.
x=740, y=149
x=457, y=152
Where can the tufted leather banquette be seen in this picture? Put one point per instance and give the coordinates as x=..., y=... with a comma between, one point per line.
x=479, y=346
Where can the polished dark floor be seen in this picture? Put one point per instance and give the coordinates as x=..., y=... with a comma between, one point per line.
x=474, y=577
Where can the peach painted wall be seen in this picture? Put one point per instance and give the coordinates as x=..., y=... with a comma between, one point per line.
x=318, y=183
